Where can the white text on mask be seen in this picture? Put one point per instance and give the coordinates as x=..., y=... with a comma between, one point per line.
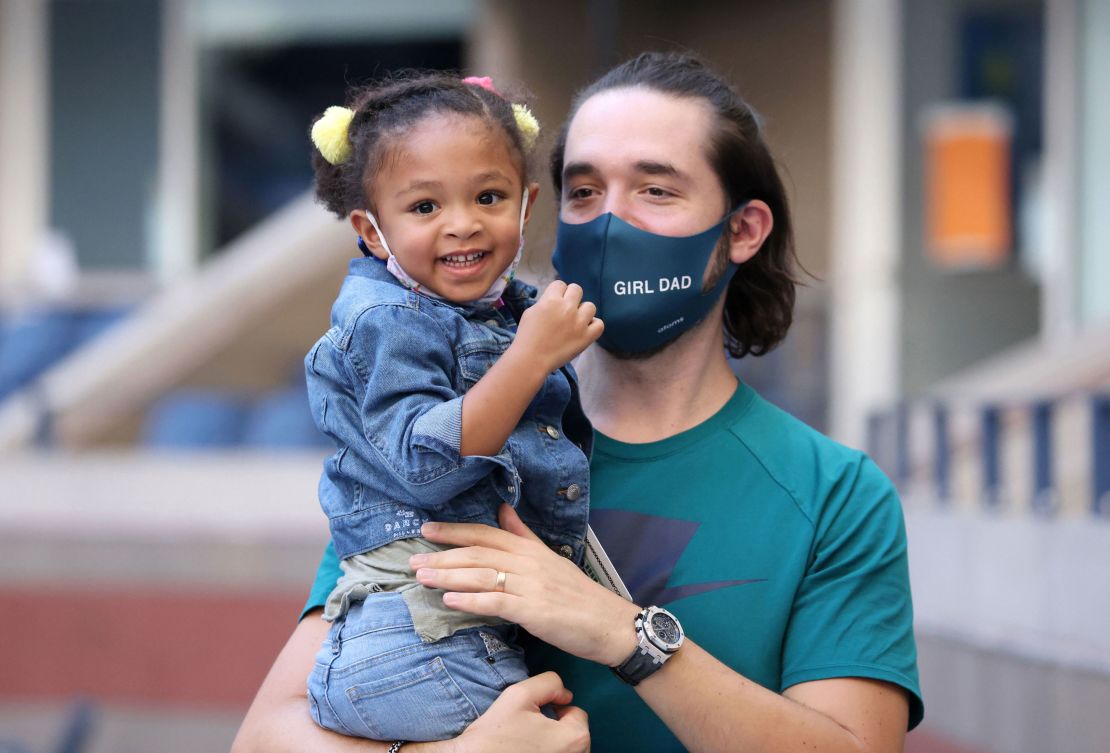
x=642, y=287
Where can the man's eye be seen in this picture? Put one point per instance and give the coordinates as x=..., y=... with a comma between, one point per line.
x=580, y=193
x=657, y=192
x=489, y=198
x=424, y=207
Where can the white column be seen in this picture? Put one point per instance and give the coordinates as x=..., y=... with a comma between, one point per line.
x=24, y=135
x=1093, y=263
x=1060, y=296
x=176, y=252
x=866, y=213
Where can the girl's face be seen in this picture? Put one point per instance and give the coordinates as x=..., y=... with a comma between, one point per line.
x=448, y=200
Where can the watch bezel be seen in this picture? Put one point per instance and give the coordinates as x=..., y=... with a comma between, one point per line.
x=667, y=647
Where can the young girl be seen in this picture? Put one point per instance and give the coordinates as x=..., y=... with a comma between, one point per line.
x=447, y=390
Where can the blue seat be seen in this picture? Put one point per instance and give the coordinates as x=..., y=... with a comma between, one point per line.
x=30, y=343
x=196, y=419
x=281, y=420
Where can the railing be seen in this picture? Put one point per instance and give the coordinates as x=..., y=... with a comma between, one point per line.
x=1045, y=456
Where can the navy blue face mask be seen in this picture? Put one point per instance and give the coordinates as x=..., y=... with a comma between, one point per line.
x=647, y=287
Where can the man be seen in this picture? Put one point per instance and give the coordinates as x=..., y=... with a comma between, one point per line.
x=781, y=553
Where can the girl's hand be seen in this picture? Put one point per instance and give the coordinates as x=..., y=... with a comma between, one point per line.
x=544, y=593
x=557, y=327
x=514, y=722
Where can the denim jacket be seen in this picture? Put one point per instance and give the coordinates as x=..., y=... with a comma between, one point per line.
x=386, y=383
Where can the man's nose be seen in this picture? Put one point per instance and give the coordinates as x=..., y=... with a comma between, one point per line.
x=621, y=206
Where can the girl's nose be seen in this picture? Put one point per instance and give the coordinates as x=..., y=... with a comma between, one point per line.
x=462, y=223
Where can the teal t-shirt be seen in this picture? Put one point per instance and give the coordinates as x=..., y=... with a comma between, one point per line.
x=782, y=553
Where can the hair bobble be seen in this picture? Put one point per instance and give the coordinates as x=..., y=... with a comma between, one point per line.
x=483, y=81
x=329, y=134
x=527, y=124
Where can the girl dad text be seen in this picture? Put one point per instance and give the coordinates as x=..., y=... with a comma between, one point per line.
x=641, y=287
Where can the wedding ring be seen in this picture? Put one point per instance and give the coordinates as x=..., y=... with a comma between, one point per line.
x=500, y=585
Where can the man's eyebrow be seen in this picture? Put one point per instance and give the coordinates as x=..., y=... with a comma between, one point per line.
x=650, y=167
x=577, y=169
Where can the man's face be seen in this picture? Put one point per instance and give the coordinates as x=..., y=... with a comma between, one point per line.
x=642, y=155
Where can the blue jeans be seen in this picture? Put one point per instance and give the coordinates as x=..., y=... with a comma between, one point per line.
x=375, y=678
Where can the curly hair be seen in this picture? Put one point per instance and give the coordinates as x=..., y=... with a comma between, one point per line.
x=384, y=111
x=759, y=302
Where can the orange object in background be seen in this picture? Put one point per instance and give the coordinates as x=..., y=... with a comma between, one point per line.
x=969, y=216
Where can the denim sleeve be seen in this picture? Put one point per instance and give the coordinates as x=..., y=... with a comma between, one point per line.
x=411, y=409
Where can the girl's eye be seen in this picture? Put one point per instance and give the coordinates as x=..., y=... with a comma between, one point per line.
x=489, y=198
x=424, y=207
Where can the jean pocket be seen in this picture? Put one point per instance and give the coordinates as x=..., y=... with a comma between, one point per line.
x=420, y=704
x=502, y=654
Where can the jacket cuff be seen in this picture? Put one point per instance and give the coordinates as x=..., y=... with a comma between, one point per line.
x=440, y=429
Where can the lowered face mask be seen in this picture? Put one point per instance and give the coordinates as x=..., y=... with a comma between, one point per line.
x=647, y=287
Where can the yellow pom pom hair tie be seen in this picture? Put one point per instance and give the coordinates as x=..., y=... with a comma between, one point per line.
x=329, y=134
x=528, y=125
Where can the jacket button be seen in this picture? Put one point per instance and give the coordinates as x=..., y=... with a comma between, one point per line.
x=492, y=323
x=551, y=431
x=511, y=489
x=566, y=551
x=574, y=491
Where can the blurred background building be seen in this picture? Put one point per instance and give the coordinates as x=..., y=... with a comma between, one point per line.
x=163, y=269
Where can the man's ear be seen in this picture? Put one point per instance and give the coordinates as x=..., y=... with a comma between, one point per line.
x=748, y=228
x=533, y=192
x=361, y=223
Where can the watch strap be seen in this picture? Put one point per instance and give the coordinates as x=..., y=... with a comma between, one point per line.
x=637, y=667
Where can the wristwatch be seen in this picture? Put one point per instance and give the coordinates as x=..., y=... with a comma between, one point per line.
x=659, y=636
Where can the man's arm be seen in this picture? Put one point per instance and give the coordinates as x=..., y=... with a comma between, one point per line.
x=278, y=720
x=709, y=707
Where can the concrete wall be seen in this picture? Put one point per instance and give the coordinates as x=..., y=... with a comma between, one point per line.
x=1010, y=615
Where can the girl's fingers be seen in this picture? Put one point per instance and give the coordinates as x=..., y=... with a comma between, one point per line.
x=586, y=311
x=555, y=290
x=573, y=293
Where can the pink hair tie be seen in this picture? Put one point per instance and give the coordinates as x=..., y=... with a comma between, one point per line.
x=483, y=81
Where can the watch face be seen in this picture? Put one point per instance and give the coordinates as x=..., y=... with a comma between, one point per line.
x=665, y=630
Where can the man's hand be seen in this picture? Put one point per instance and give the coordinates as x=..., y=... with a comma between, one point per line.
x=514, y=722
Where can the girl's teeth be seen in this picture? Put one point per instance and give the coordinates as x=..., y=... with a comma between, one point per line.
x=464, y=258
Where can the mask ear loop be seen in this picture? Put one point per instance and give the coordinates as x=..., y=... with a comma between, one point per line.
x=731, y=267
x=393, y=265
